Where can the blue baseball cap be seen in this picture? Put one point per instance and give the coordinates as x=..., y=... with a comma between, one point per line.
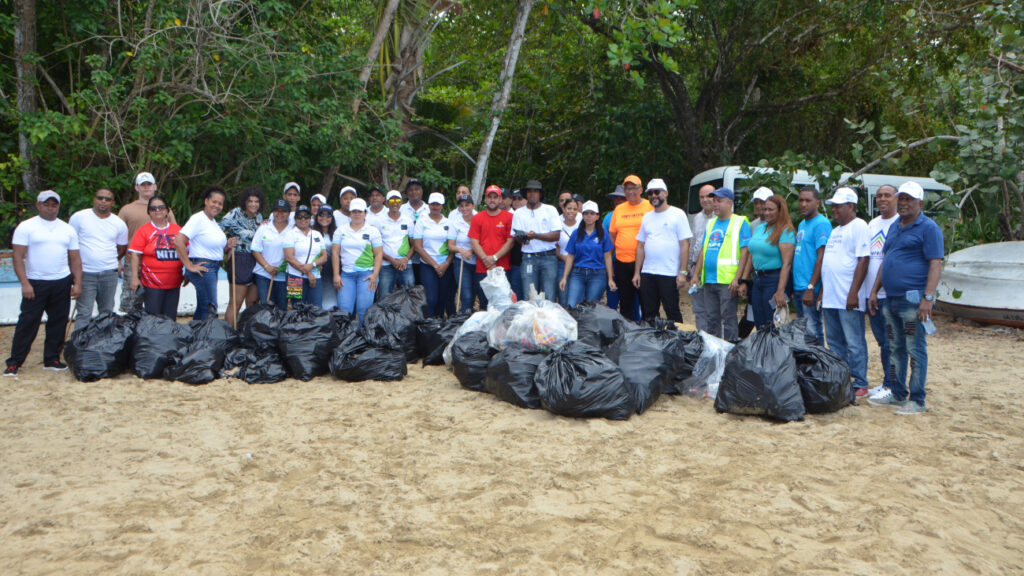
x=724, y=193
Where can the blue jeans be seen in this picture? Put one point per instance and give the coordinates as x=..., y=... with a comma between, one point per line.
x=812, y=314
x=389, y=277
x=97, y=288
x=540, y=270
x=515, y=279
x=563, y=295
x=761, y=295
x=440, y=290
x=585, y=284
x=355, y=295
x=278, y=294
x=206, y=287
x=877, y=322
x=313, y=295
x=901, y=323
x=845, y=330
x=470, y=286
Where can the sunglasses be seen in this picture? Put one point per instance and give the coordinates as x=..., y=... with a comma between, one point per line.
x=306, y=217
x=105, y=198
x=395, y=201
x=157, y=208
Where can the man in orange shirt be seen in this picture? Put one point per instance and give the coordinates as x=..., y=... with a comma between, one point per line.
x=624, y=227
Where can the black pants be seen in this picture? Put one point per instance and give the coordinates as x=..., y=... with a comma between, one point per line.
x=623, y=274
x=162, y=302
x=660, y=290
x=54, y=298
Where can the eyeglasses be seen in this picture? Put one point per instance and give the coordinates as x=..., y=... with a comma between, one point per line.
x=157, y=208
x=105, y=198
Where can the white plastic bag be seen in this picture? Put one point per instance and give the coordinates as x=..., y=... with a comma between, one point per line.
x=479, y=322
x=534, y=324
x=497, y=289
x=707, y=373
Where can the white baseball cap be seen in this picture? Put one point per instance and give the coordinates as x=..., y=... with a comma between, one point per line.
x=320, y=197
x=393, y=194
x=357, y=205
x=292, y=185
x=763, y=193
x=843, y=195
x=436, y=198
x=46, y=195
x=912, y=189
x=144, y=178
x=656, y=184
x=590, y=206
x=347, y=189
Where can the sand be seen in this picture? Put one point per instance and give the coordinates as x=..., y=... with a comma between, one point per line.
x=421, y=477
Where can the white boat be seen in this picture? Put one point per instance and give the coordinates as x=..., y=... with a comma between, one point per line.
x=983, y=283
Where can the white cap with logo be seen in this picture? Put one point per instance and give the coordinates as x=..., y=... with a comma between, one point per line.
x=436, y=198
x=912, y=189
x=843, y=195
x=144, y=178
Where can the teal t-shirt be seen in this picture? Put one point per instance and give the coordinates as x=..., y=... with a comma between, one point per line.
x=766, y=256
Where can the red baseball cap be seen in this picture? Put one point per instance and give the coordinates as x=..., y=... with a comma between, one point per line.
x=492, y=189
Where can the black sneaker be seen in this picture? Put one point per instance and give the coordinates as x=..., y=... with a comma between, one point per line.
x=12, y=370
x=55, y=365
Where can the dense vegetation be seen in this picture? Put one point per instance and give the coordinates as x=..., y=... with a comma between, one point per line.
x=242, y=92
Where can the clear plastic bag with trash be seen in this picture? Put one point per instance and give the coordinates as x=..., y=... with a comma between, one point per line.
x=707, y=373
x=497, y=289
x=479, y=322
x=534, y=325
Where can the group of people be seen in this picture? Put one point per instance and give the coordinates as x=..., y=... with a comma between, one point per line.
x=638, y=258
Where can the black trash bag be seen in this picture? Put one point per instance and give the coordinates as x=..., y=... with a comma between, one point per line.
x=649, y=359
x=760, y=378
x=260, y=326
x=343, y=324
x=425, y=330
x=688, y=346
x=439, y=340
x=510, y=375
x=156, y=340
x=470, y=356
x=235, y=359
x=659, y=323
x=202, y=360
x=391, y=323
x=599, y=325
x=579, y=381
x=266, y=367
x=824, y=376
x=795, y=332
x=307, y=338
x=101, y=349
x=355, y=360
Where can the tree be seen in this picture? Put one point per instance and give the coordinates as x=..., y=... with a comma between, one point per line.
x=24, y=59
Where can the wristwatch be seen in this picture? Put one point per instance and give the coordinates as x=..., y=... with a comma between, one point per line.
x=810, y=286
x=929, y=297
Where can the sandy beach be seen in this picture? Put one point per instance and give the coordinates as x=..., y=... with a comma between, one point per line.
x=421, y=477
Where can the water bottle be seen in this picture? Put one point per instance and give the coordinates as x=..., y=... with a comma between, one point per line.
x=929, y=326
x=693, y=289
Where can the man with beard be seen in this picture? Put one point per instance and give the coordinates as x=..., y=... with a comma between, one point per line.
x=663, y=245
x=490, y=234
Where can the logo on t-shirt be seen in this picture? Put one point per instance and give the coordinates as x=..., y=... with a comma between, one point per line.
x=799, y=237
x=878, y=242
x=366, y=236
x=716, y=239
x=405, y=226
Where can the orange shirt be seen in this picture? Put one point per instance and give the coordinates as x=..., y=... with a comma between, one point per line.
x=625, y=225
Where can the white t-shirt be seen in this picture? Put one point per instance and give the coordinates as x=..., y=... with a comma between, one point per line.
x=845, y=246
x=542, y=220
x=47, y=242
x=307, y=248
x=373, y=219
x=270, y=244
x=434, y=236
x=341, y=219
x=395, y=236
x=661, y=233
x=206, y=240
x=459, y=231
x=417, y=213
x=357, y=247
x=878, y=230
x=567, y=230
x=98, y=239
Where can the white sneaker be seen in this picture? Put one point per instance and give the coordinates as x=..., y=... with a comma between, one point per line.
x=876, y=390
x=881, y=394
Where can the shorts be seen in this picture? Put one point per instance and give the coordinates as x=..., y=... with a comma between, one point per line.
x=244, y=265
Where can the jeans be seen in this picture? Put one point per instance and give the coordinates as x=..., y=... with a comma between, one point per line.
x=389, y=277
x=313, y=295
x=761, y=295
x=901, y=323
x=659, y=291
x=162, y=302
x=355, y=295
x=329, y=299
x=845, y=330
x=585, y=284
x=720, y=306
x=515, y=279
x=440, y=291
x=563, y=295
x=812, y=314
x=877, y=322
x=540, y=270
x=278, y=293
x=97, y=288
x=206, y=288
x=470, y=286
x=54, y=298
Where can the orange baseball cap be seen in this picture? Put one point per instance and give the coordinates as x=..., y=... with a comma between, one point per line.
x=632, y=179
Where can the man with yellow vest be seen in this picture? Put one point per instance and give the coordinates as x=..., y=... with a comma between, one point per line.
x=723, y=246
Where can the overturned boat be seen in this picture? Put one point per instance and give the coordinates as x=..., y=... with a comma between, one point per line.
x=984, y=283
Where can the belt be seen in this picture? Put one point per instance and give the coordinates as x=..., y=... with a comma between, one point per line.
x=545, y=253
x=767, y=272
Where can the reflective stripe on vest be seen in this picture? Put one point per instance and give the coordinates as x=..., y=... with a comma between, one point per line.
x=727, y=267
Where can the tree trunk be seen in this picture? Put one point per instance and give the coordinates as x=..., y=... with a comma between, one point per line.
x=24, y=51
x=379, y=35
x=501, y=97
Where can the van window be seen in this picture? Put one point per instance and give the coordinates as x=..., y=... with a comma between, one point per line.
x=693, y=200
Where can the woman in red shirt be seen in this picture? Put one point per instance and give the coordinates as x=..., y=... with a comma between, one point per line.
x=155, y=263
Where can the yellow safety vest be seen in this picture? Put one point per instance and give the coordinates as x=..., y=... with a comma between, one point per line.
x=729, y=253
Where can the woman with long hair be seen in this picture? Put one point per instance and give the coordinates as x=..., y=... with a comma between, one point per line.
x=570, y=223
x=201, y=245
x=588, y=260
x=324, y=223
x=430, y=241
x=770, y=255
x=465, y=262
x=241, y=223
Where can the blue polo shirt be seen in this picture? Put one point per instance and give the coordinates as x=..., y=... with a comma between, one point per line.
x=907, y=252
x=810, y=235
x=764, y=255
x=589, y=252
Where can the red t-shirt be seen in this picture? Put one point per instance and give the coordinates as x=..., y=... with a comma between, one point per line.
x=492, y=232
x=160, y=266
